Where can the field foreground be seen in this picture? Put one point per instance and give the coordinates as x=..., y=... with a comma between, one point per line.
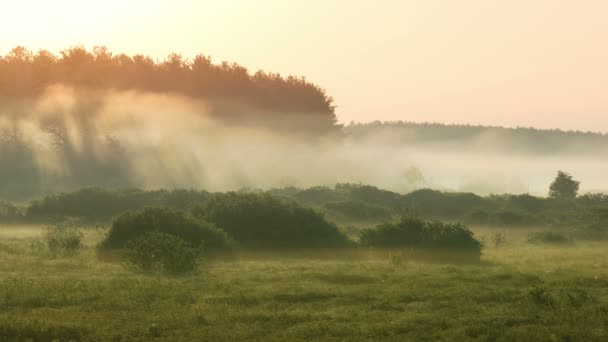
x=518, y=292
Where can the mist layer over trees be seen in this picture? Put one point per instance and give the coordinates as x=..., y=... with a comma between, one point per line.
x=227, y=87
x=93, y=118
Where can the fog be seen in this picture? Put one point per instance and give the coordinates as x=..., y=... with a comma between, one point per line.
x=70, y=138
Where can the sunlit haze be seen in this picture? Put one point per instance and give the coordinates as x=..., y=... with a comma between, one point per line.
x=541, y=63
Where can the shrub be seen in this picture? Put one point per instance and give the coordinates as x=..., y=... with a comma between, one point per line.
x=97, y=204
x=63, y=238
x=525, y=203
x=549, y=237
x=433, y=203
x=370, y=194
x=317, y=195
x=157, y=252
x=416, y=233
x=409, y=232
x=501, y=218
x=132, y=224
x=359, y=211
x=260, y=220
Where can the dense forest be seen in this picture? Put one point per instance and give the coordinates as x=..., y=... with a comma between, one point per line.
x=231, y=89
x=521, y=140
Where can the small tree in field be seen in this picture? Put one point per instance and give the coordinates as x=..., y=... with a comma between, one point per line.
x=564, y=186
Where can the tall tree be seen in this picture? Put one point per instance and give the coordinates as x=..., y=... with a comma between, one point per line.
x=564, y=186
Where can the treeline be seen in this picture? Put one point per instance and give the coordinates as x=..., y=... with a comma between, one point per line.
x=25, y=74
x=493, y=139
x=344, y=204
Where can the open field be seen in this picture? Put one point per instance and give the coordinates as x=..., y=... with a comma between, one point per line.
x=518, y=292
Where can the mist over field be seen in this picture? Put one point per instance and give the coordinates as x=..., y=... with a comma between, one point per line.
x=69, y=137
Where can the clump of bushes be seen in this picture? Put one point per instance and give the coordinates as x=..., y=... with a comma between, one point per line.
x=161, y=252
x=359, y=211
x=63, y=238
x=131, y=225
x=100, y=205
x=433, y=203
x=417, y=233
x=263, y=221
x=549, y=237
x=501, y=218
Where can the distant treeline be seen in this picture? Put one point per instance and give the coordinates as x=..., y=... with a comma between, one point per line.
x=24, y=74
x=523, y=140
x=345, y=204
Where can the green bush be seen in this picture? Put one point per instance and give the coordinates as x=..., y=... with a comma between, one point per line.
x=317, y=195
x=97, y=204
x=416, y=233
x=549, y=237
x=501, y=218
x=370, y=194
x=63, y=238
x=359, y=211
x=437, y=204
x=260, y=220
x=132, y=224
x=162, y=252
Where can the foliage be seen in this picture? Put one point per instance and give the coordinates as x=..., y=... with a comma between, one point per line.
x=260, y=220
x=417, y=233
x=520, y=140
x=63, y=238
x=370, y=194
x=200, y=78
x=502, y=218
x=564, y=186
x=161, y=252
x=437, y=204
x=97, y=204
x=344, y=202
x=359, y=211
x=132, y=224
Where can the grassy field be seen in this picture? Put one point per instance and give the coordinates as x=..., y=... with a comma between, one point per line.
x=518, y=292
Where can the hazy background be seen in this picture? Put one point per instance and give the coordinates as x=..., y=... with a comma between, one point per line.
x=540, y=63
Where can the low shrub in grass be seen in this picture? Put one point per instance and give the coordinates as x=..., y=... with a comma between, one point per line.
x=63, y=238
x=133, y=224
x=162, y=252
x=417, y=233
x=549, y=237
x=260, y=220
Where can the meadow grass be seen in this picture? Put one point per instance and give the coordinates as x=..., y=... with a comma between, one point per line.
x=517, y=292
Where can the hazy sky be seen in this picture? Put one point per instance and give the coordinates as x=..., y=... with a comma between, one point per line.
x=518, y=62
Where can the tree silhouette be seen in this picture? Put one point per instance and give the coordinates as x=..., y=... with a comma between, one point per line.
x=24, y=74
x=564, y=187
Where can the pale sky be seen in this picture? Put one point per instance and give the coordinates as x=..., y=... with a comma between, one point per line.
x=540, y=63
